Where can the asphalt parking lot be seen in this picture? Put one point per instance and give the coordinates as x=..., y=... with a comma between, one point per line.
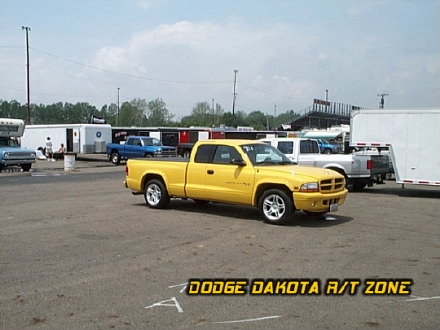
x=79, y=251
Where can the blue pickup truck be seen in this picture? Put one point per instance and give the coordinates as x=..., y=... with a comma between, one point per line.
x=138, y=147
x=327, y=148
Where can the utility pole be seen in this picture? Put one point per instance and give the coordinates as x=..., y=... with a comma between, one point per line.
x=233, y=99
x=118, y=105
x=28, y=114
x=326, y=100
x=382, y=100
x=213, y=114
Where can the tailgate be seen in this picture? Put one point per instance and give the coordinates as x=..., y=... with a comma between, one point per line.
x=381, y=164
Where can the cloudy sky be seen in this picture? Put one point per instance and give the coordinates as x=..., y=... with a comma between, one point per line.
x=287, y=52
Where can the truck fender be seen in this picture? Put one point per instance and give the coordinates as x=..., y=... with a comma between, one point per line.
x=154, y=175
x=336, y=167
x=260, y=187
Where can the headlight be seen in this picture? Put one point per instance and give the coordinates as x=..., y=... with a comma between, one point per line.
x=6, y=155
x=310, y=187
x=158, y=151
x=33, y=155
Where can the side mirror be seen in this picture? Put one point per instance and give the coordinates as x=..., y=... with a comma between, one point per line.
x=238, y=161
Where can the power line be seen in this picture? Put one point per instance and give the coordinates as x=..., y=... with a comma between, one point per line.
x=127, y=74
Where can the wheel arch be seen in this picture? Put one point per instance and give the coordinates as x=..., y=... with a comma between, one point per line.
x=337, y=168
x=150, y=176
x=266, y=186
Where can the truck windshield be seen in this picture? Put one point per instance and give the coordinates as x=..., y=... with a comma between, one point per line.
x=263, y=154
x=8, y=142
x=151, y=141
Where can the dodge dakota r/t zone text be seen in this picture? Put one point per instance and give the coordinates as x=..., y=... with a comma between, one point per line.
x=238, y=172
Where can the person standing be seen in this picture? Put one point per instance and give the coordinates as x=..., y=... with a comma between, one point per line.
x=49, y=150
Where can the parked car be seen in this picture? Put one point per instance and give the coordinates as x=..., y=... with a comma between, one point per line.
x=184, y=149
x=327, y=148
x=360, y=169
x=238, y=172
x=138, y=147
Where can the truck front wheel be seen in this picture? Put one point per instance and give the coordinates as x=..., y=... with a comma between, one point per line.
x=156, y=194
x=26, y=167
x=275, y=206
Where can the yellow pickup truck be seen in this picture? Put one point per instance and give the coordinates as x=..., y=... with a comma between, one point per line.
x=238, y=172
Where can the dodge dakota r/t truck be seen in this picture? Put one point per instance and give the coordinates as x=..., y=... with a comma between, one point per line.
x=238, y=172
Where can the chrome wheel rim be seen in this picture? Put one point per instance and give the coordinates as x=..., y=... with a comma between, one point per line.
x=154, y=194
x=274, y=207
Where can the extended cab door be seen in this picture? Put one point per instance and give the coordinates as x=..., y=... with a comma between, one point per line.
x=226, y=181
x=308, y=149
x=132, y=147
x=196, y=171
x=218, y=178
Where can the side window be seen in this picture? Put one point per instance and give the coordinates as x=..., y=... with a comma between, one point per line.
x=308, y=147
x=134, y=142
x=286, y=147
x=205, y=153
x=224, y=155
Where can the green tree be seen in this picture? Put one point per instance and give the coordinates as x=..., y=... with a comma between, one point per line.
x=157, y=113
x=228, y=120
x=110, y=114
x=257, y=119
x=285, y=118
x=132, y=113
x=12, y=109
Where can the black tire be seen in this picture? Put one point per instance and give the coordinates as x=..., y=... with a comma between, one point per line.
x=115, y=158
x=276, y=206
x=156, y=195
x=327, y=151
x=149, y=156
x=26, y=167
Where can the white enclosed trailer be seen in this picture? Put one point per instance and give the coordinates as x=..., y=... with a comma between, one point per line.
x=412, y=136
x=79, y=138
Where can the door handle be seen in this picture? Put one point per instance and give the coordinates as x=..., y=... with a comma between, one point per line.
x=210, y=171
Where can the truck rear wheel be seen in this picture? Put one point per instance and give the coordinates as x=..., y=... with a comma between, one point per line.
x=115, y=158
x=275, y=206
x=156, y=194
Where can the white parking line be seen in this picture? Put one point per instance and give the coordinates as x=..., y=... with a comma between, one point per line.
x=422, y=298
x=251, y=320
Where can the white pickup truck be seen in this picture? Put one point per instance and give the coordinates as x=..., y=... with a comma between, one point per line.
x=360, y=168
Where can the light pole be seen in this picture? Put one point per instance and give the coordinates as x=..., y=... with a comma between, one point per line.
x=118, y=105
x=382, y=100
x=233, y=99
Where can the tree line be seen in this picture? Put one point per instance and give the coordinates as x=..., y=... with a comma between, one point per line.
x=142, y=113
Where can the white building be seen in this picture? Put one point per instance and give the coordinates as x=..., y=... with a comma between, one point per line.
x=79, y=138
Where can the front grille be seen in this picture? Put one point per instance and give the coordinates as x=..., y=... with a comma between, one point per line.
x=20, y=155
x=167, y=153
x=331, y=201
x=331, y=185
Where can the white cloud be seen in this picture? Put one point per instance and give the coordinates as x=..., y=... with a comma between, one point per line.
x=207, y=52
x=188, y=62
